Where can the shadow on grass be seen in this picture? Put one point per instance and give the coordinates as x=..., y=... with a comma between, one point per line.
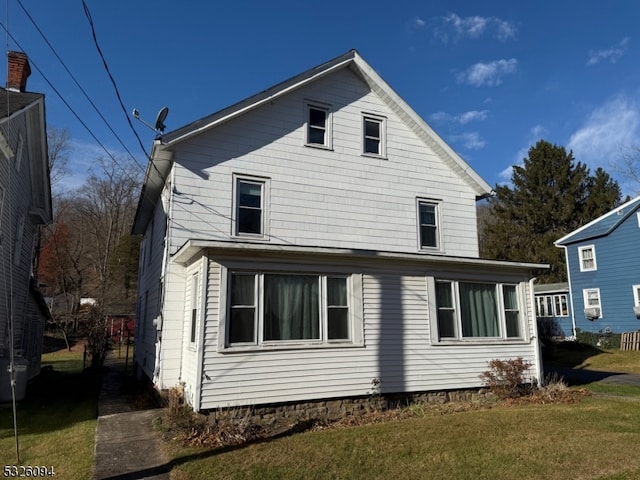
x=569, y=354
x=60, y=396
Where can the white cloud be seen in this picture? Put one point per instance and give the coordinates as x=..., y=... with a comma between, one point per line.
x=611, y=55
x=463, y=118
x=417, y=23
x=470, y=140
x=455, y=27
x=488, y=74
x=613, y=126
x=473, y=115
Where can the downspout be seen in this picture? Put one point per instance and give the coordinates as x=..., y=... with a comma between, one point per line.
x=537, y=351
x=573, y=310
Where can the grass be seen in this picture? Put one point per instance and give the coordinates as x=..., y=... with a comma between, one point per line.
x=57, y=419
x=597, y=438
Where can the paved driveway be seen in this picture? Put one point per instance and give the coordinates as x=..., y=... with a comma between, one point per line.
x=577, y=376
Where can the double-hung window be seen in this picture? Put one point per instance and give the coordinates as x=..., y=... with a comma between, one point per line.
x=288, y=308
x=428, y=225
x=587, y=256
x=592, y=305
x=195, y=289
x=474, y=310
x=318, y=125
x=373, y=138
x=250, y=206
x=636, y=295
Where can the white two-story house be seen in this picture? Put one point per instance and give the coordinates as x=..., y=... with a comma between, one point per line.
x=314, y=240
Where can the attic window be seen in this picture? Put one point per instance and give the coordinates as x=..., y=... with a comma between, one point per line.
x=373, y=136
x=318, y=120
x=250, y=209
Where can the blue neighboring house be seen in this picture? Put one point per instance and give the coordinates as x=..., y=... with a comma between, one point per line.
x=553, y=306
x=603, y=266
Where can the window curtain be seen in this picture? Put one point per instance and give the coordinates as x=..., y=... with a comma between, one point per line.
x=479, y=312
x=291, y=309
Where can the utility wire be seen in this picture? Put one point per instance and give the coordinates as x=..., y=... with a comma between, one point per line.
x=34, y=65
x=76, y=81
x=113, y=82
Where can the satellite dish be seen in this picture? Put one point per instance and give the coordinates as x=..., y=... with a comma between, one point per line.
x=162, y=115
x=159, y=126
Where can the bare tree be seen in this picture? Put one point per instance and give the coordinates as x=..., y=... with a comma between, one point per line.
x=629, y=166
x=59, y=146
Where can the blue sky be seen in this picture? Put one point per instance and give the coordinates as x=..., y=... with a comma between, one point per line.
x=490, y=77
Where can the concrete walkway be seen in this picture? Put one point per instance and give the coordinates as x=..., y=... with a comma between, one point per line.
x=126, y=445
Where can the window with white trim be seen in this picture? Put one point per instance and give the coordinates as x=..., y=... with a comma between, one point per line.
x=636, y=295
x=592, y=303
x=428, y=225
x=288, y=308
x=19, y=152
x=552, y=305
x=318, y=119
x=250, y=206
x=587, y=255
x=17, y=247
x=477, y=310
x=373, y=135
x=195, y=290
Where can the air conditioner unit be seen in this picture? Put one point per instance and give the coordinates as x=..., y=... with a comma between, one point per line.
x=591, y=313
x=636, y=312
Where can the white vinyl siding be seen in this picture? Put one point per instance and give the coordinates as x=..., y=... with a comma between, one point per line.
x=396, y=348
x=320, y=197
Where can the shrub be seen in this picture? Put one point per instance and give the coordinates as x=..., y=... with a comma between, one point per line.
x=506, y=378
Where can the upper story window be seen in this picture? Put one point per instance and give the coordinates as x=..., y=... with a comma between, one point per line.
x=373, y=138
x=19, y=152
x=250, y=206
x=474, y=310
x=318, y=125
x=587, y=256
x=428, y=225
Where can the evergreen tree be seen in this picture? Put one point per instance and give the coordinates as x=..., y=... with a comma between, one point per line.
x=550, y=195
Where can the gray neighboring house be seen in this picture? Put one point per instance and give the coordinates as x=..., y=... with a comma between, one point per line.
x=25, y=205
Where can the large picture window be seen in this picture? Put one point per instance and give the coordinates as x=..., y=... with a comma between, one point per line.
x=268, y=308
x=468, y=310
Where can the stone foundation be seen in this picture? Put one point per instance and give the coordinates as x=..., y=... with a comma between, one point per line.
x=334, y=409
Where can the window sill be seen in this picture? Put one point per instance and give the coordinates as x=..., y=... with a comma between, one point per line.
x=480, y=341
x=288, y=346
x=320, y=147
x=431, y=251
x=374, y=155
x=250, y=236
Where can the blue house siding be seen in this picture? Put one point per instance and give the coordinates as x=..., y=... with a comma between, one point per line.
x=617, y=259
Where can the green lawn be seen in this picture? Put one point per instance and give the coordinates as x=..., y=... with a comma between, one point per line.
x=57, y=420
x=597, y=438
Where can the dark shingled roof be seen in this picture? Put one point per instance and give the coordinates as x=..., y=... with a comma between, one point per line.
x=603, y=225
x=11, y=102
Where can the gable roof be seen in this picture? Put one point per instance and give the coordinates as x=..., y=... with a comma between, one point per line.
x=11, y=102
x=603, y=225
x=156, y=173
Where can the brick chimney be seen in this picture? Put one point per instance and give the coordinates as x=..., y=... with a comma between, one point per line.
x=17, y=72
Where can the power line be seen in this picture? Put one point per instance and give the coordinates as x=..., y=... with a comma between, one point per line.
x=113, y=82
x=63, y=100
x=76, y=81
